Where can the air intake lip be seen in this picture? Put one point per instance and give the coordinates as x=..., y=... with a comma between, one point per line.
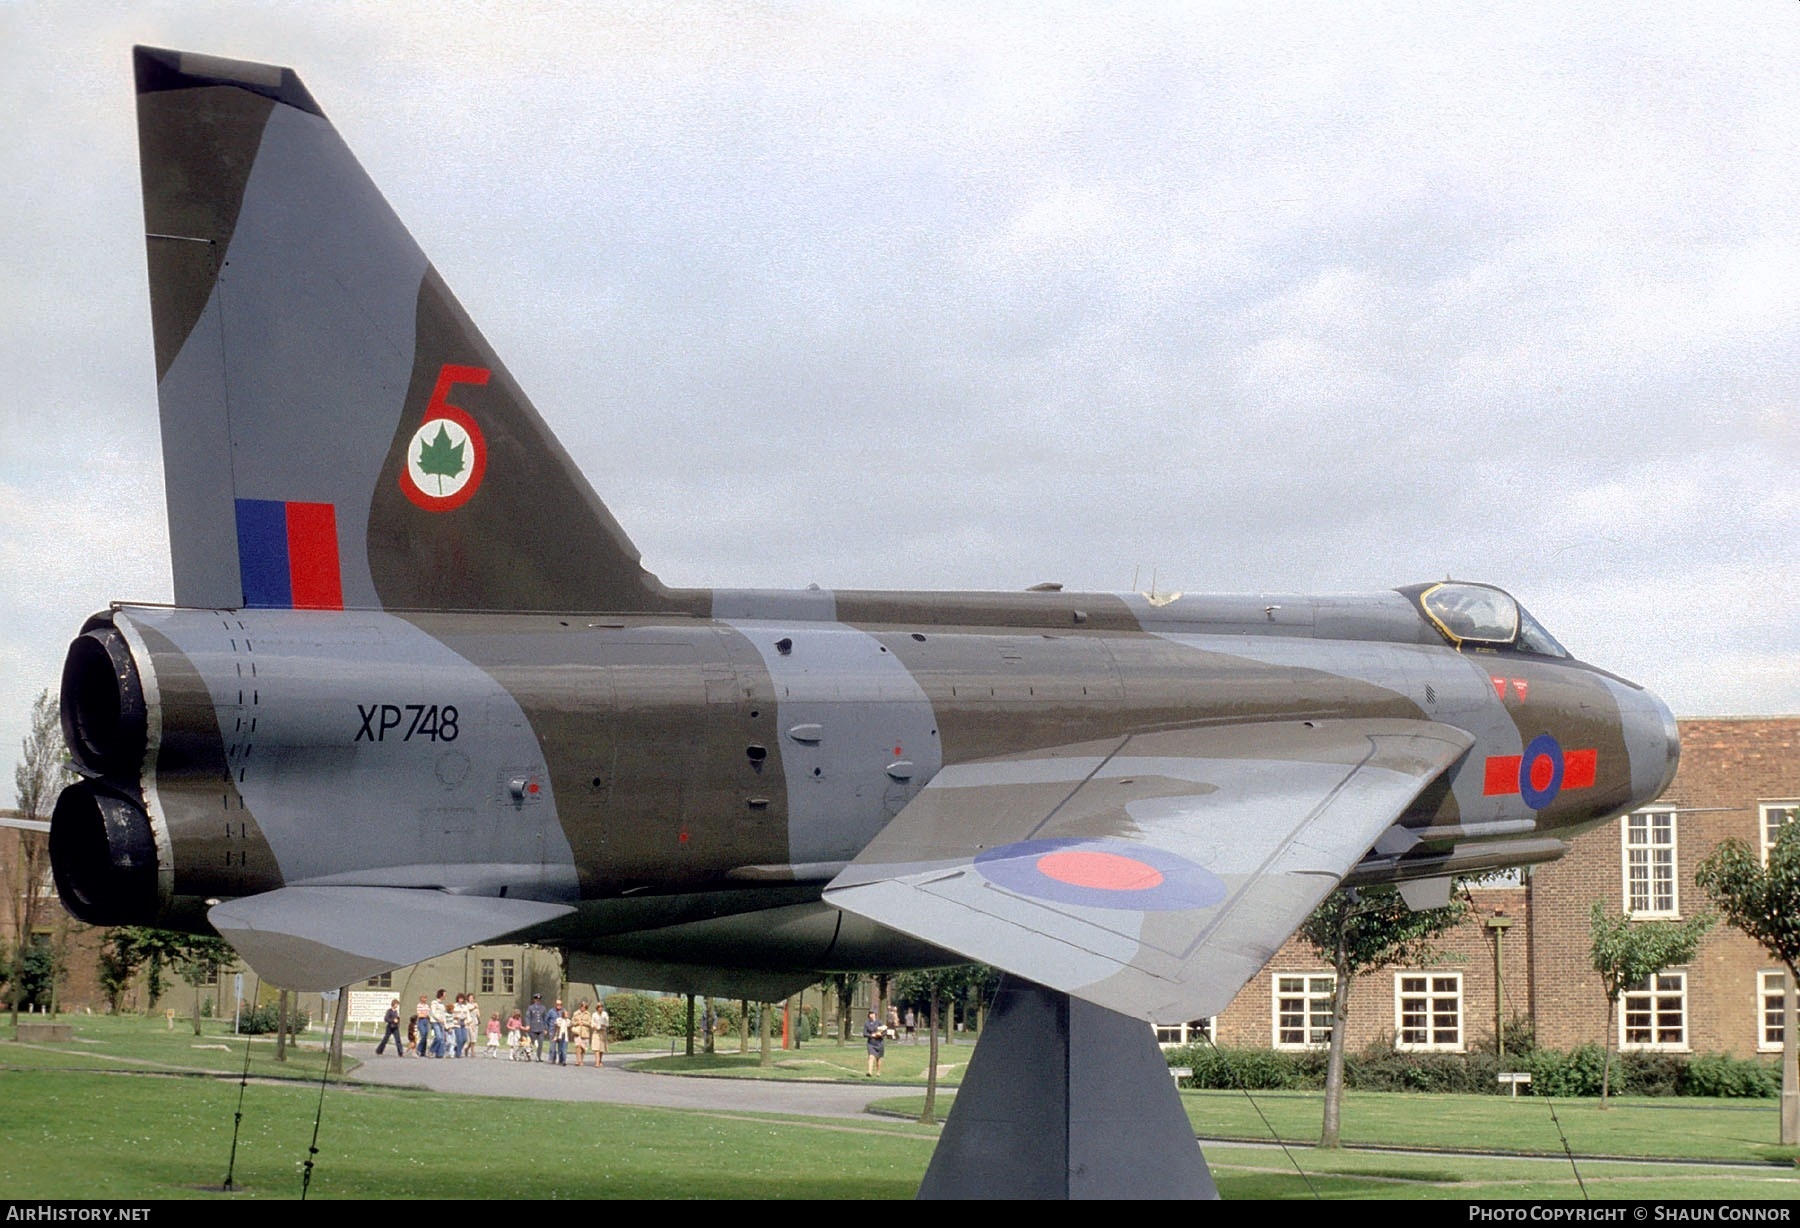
x=103, y=855
x=103, y=714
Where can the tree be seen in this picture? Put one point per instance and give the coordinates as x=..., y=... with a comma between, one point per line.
x=120, y=961
x=155, y=952
x=1625, y=952
x=1365, y=930
x=281, y=1028
x=932, y=984
x=340, y=1018
x=973, y=987
x=844, y=985
x=38, y=780
x=132, y=947
x=38, y=973
x=1764, y=902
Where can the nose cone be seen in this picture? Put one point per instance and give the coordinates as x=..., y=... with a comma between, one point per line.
x=1671, y=743
x=1653, y=742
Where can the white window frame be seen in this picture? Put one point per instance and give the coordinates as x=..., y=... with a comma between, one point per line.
x=1650, y=848
x=1315, y=992
x=1655, y=990
x=1765, y=830
x=1771, y=987
x=1434, y=988
x=1169, y=1035
x=496, y=975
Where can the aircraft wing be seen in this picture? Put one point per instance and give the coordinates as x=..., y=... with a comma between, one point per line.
x=1153, y=874
x=323, y=937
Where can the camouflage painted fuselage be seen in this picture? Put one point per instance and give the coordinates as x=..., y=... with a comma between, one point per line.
x=665, y=770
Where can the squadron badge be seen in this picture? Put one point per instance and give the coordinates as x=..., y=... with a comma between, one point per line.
x=447, y=455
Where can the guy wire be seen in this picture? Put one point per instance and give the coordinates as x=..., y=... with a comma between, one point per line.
x=1567, y=1150
x=1279, y=1142
x=312, y=1149
x=237, y=1118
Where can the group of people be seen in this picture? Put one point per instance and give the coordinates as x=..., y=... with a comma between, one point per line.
x=437, y=1028
x=547, y=1033
x=538, y=1033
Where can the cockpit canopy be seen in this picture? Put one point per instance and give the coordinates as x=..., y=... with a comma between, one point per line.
x=1481, y=616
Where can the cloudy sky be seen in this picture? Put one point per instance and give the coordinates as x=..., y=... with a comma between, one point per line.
x=1245, y=297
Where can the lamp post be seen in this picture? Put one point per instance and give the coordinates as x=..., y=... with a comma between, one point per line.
x=1499, y=923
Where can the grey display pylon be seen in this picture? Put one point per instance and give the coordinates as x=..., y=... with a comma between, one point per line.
x=1064, y=1099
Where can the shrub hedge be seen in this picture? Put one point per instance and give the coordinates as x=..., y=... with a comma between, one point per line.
x=635, y=1015
x=641, y=1014
x=1553, y=1072
x=262, y=1020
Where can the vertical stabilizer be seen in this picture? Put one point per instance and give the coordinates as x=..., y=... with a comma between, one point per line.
x=336, y=431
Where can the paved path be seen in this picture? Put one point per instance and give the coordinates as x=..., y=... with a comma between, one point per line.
x=617, y=1083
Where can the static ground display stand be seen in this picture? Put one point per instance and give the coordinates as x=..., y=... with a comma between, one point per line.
x=1064, y=1099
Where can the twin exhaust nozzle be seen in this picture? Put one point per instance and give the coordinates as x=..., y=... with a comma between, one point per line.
x=102, y=851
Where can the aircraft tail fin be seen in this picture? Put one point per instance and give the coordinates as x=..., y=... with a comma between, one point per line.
x=336, y=431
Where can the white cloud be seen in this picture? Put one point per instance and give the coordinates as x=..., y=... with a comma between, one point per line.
x=1264, y=296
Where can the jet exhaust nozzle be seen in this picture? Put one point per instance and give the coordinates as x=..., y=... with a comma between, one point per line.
x=103, y=715
x=103, y=855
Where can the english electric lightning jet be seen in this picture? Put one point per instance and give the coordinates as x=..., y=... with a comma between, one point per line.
x=418, y=692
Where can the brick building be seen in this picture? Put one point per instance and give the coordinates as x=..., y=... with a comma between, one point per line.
x=77, y=946
x=1739, y=777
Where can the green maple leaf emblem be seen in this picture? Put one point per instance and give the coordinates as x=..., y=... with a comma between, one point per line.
x=440, y=458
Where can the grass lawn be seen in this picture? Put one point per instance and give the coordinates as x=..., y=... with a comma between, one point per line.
x=1245, y=1172
x=122, y=1042
x=1634, y=1126
x=131, y=1109
x=74, y=1134
x=1685, y=1128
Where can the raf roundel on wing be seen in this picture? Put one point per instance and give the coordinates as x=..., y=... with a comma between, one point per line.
x=1101, y=874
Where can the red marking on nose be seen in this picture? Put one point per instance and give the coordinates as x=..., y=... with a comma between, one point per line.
x=532, y=787
x=1502, y=772
x=1520, y=686
x=1106, y=871
x=1499, y=686
x=1579, y=767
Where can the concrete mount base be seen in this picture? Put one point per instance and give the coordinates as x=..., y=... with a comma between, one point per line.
x=1064, y=1099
